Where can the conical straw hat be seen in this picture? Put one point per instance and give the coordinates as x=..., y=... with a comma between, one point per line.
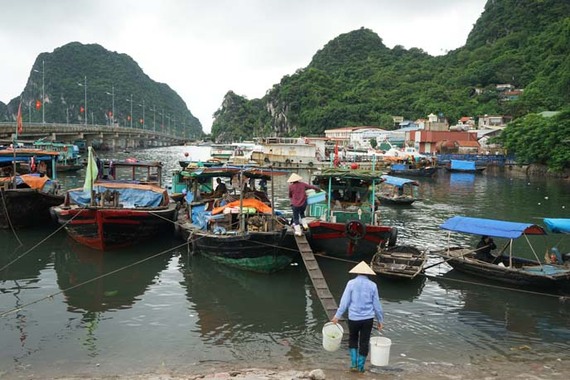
x=294, y=178
x=362, y=268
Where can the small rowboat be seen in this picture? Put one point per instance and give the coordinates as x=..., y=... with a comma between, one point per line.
x=402, y=262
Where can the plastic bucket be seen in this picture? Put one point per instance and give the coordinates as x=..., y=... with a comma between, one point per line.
x=380, y=350
x=332, y=336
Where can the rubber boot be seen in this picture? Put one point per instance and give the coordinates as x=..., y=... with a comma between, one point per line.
x=304, y=224
x=297, y=229
x=353, y=359
x=361, y=362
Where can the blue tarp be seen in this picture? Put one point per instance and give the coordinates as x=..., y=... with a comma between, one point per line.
x=491, y=227
x=396, y=181
x=462, y=165
x=558, y=225
x=129, y=198
x=398, y=167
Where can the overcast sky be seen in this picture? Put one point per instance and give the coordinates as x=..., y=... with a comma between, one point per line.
x=202, y=49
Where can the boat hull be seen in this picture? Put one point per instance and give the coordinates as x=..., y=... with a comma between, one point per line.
x=263, y=252
x=26, y=207
x=332, y=239
x=420, y=172
x=524, y=273
x=113, y=228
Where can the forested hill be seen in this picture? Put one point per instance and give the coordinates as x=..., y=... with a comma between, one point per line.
x=109, y=76
x=356, y=80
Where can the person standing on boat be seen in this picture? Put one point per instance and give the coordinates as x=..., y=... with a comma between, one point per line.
x=484, y=248
x=298, y=199
x=361, y=299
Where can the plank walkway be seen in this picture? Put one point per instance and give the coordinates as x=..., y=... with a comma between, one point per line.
x=319, y=282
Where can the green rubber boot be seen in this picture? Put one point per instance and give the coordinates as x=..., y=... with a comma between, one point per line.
x=361, y=362
x=354, y=359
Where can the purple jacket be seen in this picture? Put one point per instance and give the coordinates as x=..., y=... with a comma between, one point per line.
x=297, y=193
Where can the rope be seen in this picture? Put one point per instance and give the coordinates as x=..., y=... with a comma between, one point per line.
x=9, y=220
x=3, y=314
x=41, y=241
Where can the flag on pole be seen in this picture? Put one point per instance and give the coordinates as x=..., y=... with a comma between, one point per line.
x=91, y=171
x=19, y=120
x=38, y=104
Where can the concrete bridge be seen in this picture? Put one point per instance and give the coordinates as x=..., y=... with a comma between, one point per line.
x=113, y=137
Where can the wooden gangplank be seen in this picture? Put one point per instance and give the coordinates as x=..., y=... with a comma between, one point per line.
x=319, y=282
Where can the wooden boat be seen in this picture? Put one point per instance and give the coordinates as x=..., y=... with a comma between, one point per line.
x=346, y=224
x=398, y=191
x=558, y=226
x=118, y=207
x=412, y=170
x=399, y=262
x=238, y=228
x=506, y=268
x=69, y=159
x=26, y=199
x=460, y=166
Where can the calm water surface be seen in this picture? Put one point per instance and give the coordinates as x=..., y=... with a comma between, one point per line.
x=164, y=309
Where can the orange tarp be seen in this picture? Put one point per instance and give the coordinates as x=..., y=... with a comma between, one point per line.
x=250, y=202
x=33, y=181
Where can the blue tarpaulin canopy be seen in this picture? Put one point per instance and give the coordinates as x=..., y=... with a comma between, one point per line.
x=491, y=227
x=558, y=225
x=398, y=182
x=462, y=165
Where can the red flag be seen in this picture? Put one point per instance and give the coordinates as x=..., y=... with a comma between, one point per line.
x=110, y=113
x=38, y=104
x=81, y=109
x=19, y=121
x=129, y=117
x=336, y=161
x=141, y=121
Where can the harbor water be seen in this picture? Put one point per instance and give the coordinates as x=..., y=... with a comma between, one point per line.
x=69, y=310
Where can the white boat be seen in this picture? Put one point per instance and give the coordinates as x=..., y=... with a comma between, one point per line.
x=289, y=151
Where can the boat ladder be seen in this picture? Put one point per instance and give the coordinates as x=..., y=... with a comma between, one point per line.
x=319, y=282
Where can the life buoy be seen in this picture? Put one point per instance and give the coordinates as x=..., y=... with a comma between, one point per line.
x=355, y=229
x=310, y=164
x=287, y=162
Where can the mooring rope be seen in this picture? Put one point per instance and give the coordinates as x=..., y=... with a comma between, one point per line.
x=9, y=220
x=50, y=296
x=42, y=241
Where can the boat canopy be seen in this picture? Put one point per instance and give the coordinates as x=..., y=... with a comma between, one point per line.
x=491, y=227
x=230, y=171
x=398, y=182
x=366, y=175
x=462, y=165
x=558, y=225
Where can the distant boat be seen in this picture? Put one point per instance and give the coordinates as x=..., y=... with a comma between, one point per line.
x=398, y=191
x=412, y=170
x=26, y=199
x=460, y=166
x=69, y=158
x=127, y=205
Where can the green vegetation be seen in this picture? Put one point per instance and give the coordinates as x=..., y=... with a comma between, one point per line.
x=539, y=139
x=64, y=72
x=355, y=80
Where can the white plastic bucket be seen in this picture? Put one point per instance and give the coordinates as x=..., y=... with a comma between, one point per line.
x=380, y=350
x=332, y=336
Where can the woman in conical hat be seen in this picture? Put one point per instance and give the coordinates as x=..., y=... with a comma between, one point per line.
x=361, y=299
x=298, y=199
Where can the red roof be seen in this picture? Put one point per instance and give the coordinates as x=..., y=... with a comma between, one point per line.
x=468, y=144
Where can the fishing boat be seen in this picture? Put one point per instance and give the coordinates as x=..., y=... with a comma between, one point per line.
x=414, y=169
x=26, y=199
x=238, y=227
x=69, y=159
x=399, y=262
x=507, y=268
x=461, y=166
x=398, y=191
x=121, y=203
x=346, y=224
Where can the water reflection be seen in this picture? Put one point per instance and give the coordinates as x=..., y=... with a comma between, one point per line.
x=84, y=276
x=508, y=321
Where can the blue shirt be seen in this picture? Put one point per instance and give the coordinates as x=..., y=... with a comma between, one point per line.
x=361, y=299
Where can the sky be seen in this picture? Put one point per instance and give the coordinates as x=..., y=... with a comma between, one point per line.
x=203, y=49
